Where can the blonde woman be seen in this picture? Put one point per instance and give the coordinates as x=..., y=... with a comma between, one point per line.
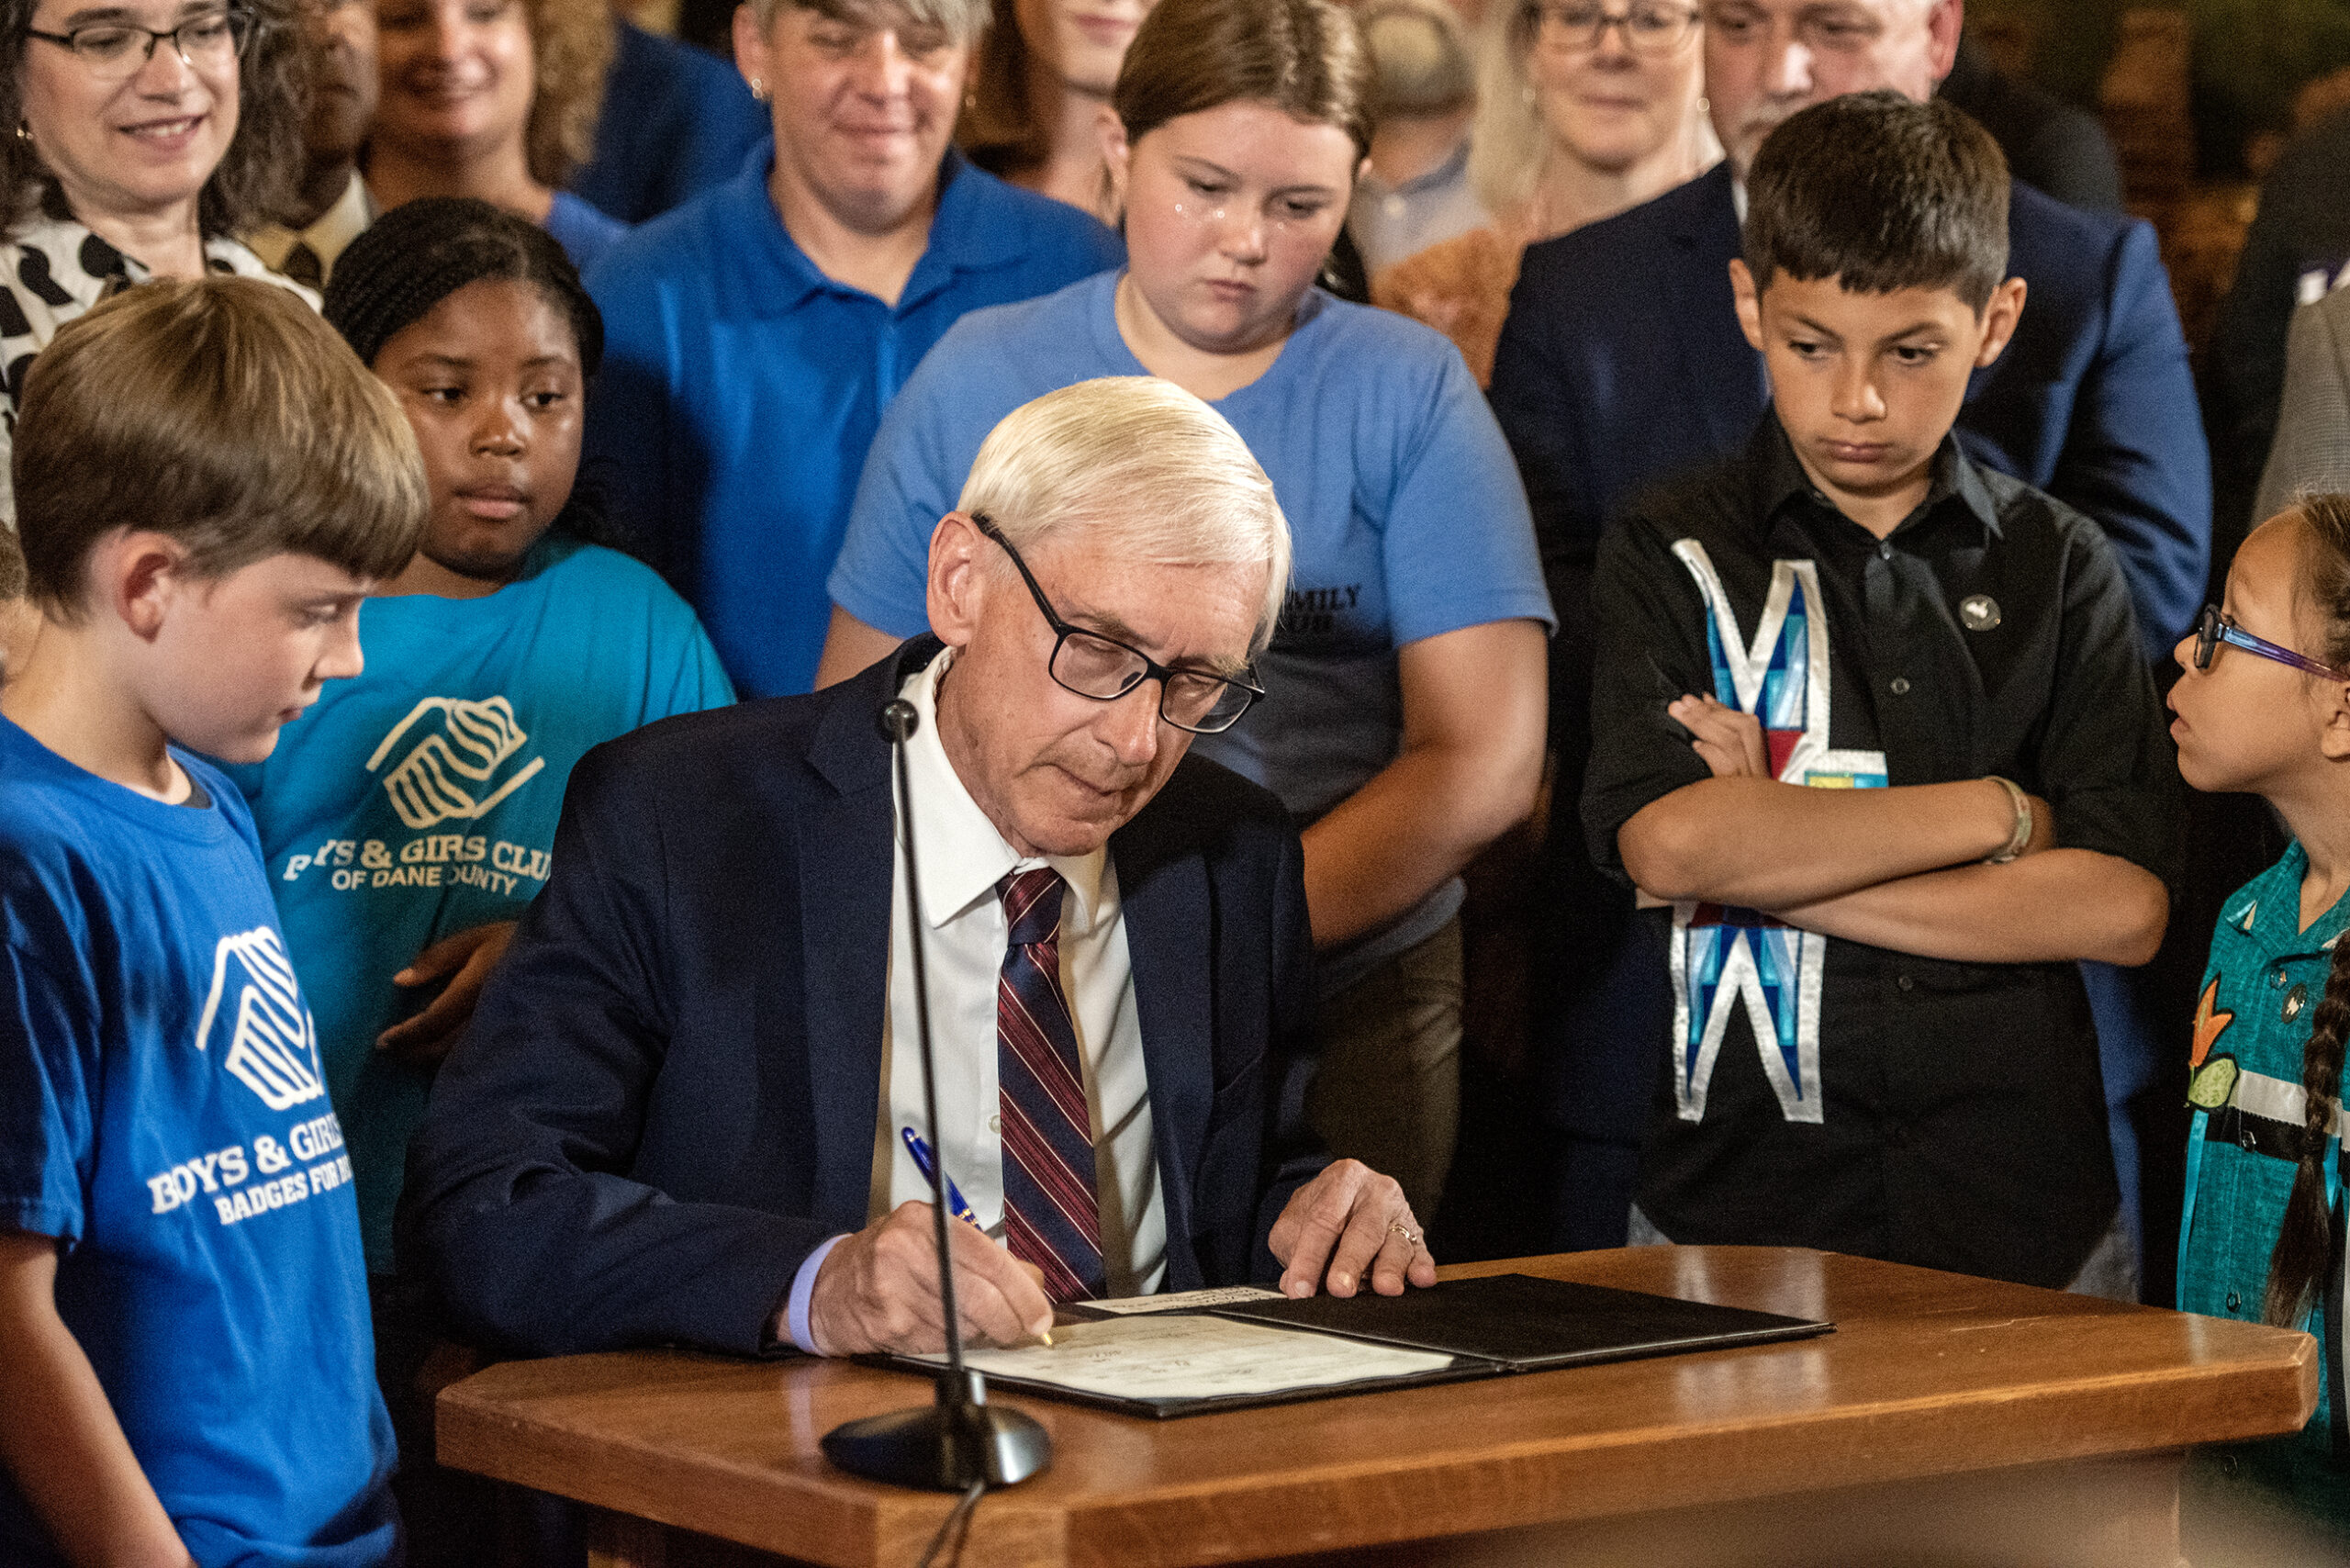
x=1583, y=112
x=496, y=99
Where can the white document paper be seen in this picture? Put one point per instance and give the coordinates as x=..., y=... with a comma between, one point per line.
x=1180, y=1301
x=1154, y=1357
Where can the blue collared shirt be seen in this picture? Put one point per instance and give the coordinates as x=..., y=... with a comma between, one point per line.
x=741, y=387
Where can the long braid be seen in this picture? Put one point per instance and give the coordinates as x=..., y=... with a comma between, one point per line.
x=2305, y=1238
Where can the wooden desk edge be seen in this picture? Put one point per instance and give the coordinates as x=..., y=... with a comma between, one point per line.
x=835, y=1518
x=785, y=1502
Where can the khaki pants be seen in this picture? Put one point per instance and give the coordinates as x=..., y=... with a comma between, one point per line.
x=1388, y=1090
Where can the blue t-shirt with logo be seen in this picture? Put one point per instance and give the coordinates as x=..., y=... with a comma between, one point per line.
x=163, y=1113
x=420, y=800
x=1406, y=521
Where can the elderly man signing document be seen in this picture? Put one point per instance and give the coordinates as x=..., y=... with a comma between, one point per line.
x=681, y=1114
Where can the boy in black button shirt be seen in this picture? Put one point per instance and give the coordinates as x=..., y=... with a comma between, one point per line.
x=1881, y=1044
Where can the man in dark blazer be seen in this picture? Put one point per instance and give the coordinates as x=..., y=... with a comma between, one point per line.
x=1621, y=363
x=2054, y=147
x=1622, y=366
x=662, y=1124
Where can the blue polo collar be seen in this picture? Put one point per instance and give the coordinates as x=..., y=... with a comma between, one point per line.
x=966, y=236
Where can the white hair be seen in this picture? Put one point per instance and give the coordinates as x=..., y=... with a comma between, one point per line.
x=1140, y=463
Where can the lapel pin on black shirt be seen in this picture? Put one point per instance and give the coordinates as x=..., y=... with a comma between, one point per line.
x=1978, y=611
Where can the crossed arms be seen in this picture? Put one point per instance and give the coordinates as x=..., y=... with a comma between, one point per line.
x=1901, y=868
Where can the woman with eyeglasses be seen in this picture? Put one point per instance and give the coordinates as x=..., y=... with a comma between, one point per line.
x=496, y=99
x=144, y=140
x=1584, y=111
x=1404, y=711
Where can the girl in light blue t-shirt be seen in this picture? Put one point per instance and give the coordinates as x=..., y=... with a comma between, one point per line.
x=1406, y=721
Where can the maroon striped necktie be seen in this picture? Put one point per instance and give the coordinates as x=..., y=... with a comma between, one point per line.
x=1051, y=1218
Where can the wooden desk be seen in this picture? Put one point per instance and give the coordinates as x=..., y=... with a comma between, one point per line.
x=1950, y=1420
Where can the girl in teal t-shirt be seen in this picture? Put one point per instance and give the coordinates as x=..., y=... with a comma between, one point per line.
x=408, y=822
x=2264, y=707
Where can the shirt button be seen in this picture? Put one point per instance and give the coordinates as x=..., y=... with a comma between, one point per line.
x=1885, y=550
x=1895, y=1136
x=1899, y=685
x=1904, y=982
x=2234, y=1301
x=995, y=1125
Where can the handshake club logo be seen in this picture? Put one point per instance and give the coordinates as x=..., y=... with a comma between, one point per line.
x=446, y=775
x=272, y=1044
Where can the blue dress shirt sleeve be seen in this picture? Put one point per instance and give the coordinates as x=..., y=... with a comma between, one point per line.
x=803, y=1288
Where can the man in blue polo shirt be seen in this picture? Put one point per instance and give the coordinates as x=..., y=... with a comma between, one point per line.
x=758, y=333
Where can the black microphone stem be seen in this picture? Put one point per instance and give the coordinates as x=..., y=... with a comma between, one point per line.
x=958, y=1442
x=929, y=1076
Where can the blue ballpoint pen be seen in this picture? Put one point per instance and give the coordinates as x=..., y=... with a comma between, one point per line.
x=921, y=1152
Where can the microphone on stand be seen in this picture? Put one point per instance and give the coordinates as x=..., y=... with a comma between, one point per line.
x=960, y=1440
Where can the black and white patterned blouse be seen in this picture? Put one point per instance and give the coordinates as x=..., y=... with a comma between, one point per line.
x=53, y=270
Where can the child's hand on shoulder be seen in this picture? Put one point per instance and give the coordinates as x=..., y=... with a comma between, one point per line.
x=466, y=959
x=1729, y=741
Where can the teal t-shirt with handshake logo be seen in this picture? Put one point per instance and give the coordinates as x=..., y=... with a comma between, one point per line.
x=420, y=800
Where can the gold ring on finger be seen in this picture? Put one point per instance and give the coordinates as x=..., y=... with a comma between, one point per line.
x=1411, y=1237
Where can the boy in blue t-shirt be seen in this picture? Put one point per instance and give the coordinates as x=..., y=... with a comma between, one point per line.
x=207, y=486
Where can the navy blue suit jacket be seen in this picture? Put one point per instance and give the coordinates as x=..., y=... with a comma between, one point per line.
x=676, y=121
x=1622, y=366
x=667, y=1097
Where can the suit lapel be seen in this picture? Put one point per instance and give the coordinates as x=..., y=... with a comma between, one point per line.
x=846, y=872
x=1165, y=901
x=1724, y=378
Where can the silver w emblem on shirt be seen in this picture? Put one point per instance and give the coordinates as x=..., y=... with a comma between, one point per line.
x=438, y=781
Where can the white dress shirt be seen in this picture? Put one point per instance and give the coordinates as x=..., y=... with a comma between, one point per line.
x=329, y=234
x=963, y=858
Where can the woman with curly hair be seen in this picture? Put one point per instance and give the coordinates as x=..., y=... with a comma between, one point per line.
x=144, y=140
x=495, y=99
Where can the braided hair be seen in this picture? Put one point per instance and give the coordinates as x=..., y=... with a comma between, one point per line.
x=418, y=254
x=2304, y=1241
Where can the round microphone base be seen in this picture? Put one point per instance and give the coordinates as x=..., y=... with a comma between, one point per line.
x=946, y=1447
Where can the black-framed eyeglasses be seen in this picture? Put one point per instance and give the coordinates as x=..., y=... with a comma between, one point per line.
x=113, y=50
x=1577, y=25
x=1105, y=669
x=2212, y=629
